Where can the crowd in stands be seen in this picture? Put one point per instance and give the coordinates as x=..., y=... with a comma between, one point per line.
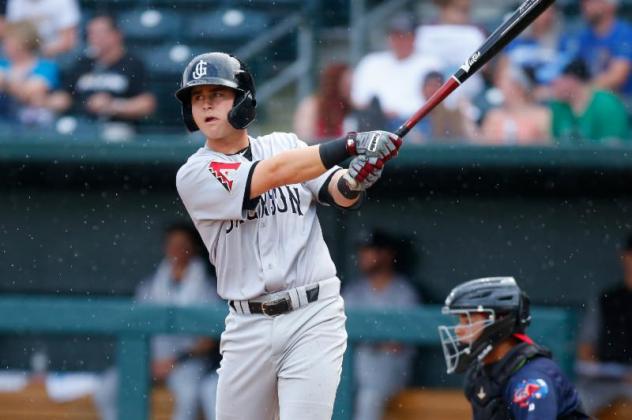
x=562, y=81
x=565, y=80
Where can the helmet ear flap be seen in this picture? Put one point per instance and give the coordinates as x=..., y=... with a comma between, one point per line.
x=524, y=312
x=244, y=111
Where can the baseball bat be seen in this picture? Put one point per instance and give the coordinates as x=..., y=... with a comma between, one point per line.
x=528, y=11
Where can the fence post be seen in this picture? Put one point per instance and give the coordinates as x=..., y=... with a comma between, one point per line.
x=343, y=408
x=133, y=372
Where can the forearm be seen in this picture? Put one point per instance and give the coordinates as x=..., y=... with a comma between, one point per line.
x=289, y=167
x=614, y=77
x=201, y=348
x=133, y=108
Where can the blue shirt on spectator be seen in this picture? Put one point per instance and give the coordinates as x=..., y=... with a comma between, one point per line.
x=530, y=53
x=43, y=69
x=598, y=51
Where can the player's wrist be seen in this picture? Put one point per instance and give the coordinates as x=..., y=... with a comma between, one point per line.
x=335, y=152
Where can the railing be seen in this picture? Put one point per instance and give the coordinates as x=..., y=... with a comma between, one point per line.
x=133, y=324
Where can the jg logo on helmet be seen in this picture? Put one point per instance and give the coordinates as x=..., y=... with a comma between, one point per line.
x=200, y=69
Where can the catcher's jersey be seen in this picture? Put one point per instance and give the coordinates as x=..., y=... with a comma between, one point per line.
x=257, y=246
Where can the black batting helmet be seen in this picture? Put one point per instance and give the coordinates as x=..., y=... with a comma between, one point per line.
x=507, y=312
x=218, y=68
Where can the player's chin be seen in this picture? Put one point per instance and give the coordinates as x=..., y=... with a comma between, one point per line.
x=211, y=131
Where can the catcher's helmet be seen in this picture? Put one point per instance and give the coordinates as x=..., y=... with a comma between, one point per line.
x=506, y=308
x=217, y=68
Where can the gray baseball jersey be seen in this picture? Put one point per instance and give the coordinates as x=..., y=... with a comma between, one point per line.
x=259, y=246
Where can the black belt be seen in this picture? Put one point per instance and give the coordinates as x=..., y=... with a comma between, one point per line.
x=278, y=306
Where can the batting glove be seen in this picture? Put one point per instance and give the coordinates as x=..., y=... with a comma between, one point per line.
x=373, y=144
x=365, y=172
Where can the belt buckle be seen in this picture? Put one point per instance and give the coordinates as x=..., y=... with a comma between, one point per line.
x=267, y=307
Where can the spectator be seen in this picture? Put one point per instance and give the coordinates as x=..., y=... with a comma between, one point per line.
x=25, y=79
x=605, y=343
x=452, y=39
x=605, y=46
x=536, y=48
x=584, y=113
x=388, y=76
x=442, y=123
x=56, y=22
x=325, y=115
x=3, y=18
x=179, y=361
x=111, y=85
x=381, y=369
x=519, y=120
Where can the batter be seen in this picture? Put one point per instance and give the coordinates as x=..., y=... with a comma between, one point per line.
x=253, y=200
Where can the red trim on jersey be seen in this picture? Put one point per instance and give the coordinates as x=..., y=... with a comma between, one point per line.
x=525, y=338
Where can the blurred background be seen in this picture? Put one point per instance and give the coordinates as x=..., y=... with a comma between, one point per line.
x=526, y=170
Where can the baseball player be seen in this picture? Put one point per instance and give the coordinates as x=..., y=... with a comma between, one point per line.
x=253, y=200
x=508, y=375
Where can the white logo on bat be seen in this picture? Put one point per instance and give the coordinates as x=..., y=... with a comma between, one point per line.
x=470, y=62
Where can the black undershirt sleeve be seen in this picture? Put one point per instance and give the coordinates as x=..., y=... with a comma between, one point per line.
x=250, y=203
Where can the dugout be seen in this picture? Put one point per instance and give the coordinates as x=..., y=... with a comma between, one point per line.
x=84, y=220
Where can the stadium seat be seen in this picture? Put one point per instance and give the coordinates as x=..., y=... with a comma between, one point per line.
x=227, y=24
x=167, y=61
x=151, y=25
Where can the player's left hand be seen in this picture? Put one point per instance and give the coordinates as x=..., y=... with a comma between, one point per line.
x=374, y=144
x=365, y=172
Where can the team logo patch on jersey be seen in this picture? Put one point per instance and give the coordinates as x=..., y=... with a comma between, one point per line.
x=222, y=171
x=528, y=392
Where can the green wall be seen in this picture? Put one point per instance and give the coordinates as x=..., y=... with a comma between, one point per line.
x=86, y=219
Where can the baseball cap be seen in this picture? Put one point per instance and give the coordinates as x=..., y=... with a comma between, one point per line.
x=402, y=23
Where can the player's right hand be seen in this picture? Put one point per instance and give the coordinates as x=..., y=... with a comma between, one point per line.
x=378, y=144
x=364, y=172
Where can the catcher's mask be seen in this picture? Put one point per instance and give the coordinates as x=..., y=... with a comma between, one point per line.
x=505, y=310
x=220, y=69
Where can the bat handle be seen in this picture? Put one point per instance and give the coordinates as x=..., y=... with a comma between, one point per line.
x=352, y=182
x=402, y=131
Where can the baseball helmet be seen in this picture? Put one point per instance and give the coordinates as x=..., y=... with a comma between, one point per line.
x=220, y=69
x=506, y=310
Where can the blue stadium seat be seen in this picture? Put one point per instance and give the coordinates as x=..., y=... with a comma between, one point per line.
x=150, y=24
x=168, y=61
x=227, y=24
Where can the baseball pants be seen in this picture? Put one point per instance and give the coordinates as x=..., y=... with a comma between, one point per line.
x=286, y=367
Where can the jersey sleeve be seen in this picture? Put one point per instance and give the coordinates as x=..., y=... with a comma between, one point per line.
x=532, y=397
x=214, y=189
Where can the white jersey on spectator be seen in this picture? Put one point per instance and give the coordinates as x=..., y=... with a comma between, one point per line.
x=278, y=245
x=452, y=44
x=194, y=288
x=49, y=16
x=396, y=83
